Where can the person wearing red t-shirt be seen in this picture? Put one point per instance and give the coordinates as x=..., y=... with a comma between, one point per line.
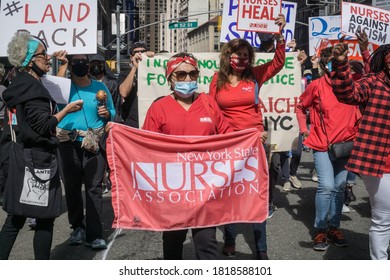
x=186, y=112
x=370, y=157
x=234, y=89
x=330, y=122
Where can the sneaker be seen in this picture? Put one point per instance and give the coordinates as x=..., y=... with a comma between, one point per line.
x=314, y=177
x=262, y=255
x=229, y=250
x=97, y=244
x=76, y=237
x=320, y=241
x=295, y=182
x=337, y=237
x=105, y=190
x=345, y=209
x=287, y=187
x=271, y=210
x=31, y=222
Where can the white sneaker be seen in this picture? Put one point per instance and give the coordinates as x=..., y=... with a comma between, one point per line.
x=286, y=187
x=345, y=209
x=295, y=182
x=314, y=177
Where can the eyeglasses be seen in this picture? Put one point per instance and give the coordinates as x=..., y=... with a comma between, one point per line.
x=43, y=53
x=182, y=75
x=78, y=61
x=139, y=51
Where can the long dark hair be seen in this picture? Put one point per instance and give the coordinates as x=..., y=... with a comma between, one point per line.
x=325, y=57
x=224, y=66
x=377, y=58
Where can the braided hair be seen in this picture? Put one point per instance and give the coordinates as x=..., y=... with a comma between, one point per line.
x=377, y=58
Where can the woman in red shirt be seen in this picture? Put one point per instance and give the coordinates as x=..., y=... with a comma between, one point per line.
x=186, y=112
x=234, y=89
x=370, y=156
x=330, y=122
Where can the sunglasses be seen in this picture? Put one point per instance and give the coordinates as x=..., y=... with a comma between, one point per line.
x=182, y=75
x=78, y=61
x=139, y=51
x=43, y=53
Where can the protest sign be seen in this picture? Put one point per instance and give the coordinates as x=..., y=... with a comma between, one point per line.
x=258, y=15
x=353, y=47
x=278, y=96
x=229, y=23
x=165, y=182
x=375, y=22
x=58, y=87
x=63, y=25
x=323, y=27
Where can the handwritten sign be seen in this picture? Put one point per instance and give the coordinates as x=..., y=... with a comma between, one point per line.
x=229, y=23
x=375, y=22
x=323, y=27
x=63, y=25
x=258, y=15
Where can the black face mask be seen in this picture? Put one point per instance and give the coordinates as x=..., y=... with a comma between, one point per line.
x=80, y=69
x=37, y=70
x=97, y=70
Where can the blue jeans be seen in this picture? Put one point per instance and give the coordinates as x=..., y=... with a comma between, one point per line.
x=259, y=230
x=329, y=200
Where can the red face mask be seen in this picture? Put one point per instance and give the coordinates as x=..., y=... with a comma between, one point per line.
x=239, y=64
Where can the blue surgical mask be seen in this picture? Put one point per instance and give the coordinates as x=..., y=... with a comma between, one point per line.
x=185, y=89
x=329, y=66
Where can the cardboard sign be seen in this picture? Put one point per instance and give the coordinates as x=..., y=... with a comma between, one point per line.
x=63, y=25
x=258, y=15
x=278, y=96
x=166, y=182
x=229, y=23
x=375, y=22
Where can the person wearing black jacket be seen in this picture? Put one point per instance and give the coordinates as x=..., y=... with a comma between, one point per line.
x=33, y=117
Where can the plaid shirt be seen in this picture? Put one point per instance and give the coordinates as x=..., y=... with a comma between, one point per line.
x=372, y=144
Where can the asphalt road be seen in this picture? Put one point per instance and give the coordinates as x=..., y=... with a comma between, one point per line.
x=289, y=232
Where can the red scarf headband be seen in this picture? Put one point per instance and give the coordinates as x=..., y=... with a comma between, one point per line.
x=174, y=62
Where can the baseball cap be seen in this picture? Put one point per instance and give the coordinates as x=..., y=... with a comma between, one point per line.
x=136, y=45
x=97, y=57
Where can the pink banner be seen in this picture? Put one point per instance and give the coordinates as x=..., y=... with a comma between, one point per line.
x=163, y=182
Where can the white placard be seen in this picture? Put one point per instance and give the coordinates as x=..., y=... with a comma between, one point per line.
x=323, y=27
x=69, y=25
x=59, y=88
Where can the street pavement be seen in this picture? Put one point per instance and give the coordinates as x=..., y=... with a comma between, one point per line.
x=289, y=231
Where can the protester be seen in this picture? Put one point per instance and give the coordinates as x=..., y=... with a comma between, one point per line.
x=81, y=159
x=33, y=119
x=370, y=155
x=330, y=122
x=236, y=76
x=180, y=113
x=128, y=88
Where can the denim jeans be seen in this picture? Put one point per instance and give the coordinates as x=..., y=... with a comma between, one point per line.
x=329, y=200
x=259, y=230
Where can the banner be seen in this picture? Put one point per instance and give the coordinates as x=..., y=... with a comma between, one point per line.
x=258, y=16
x=375, y=22
x=353, y=47
x=163, y=182
x=63, y=25
x=229, y=23
x=278, y=96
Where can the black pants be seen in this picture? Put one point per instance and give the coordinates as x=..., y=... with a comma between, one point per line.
x=43, y=236
x=78, y=164
x=205, y=243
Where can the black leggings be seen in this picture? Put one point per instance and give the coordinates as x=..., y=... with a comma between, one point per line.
x=43, y=236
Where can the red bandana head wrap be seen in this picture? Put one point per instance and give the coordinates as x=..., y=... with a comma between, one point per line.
x=387, y=58
x=174, y=62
